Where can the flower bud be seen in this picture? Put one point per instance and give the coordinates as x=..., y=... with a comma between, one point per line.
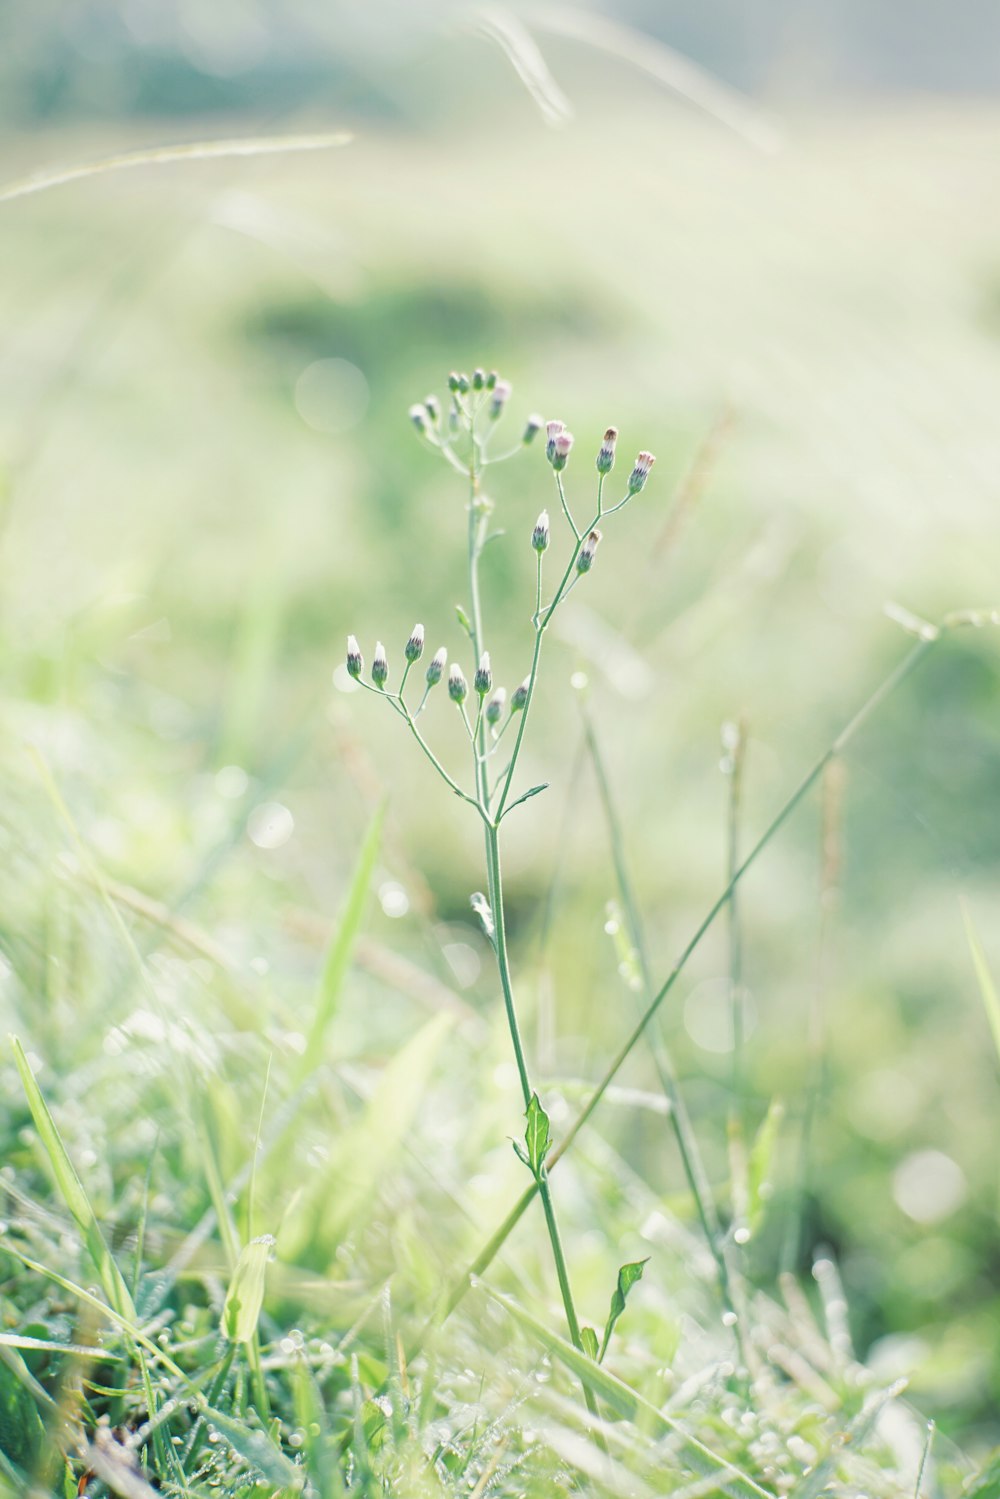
x=380, y=665
x=436, y=666
x=418, y=416
x=585, y=556
x=463, y=384
x=606, y=455
x=478, y=379
x=500, y=397
x=640, y=473
x=561, y=444
x=491, y=379
x=540, y=535
x=415, y=644
x=433, y=408
x=519, y=697
x=458, y=687
x=532, y=429
x=355, y=660
x=495, y=706
x=453, y=381
x=552, y=430
x=483, y=680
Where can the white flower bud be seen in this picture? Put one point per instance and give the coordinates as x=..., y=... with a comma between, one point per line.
x=585, y=556
x=540, y=535
x=519, y=697
x=415, y=644
x=640, y=473
x=355, y=660
x=606, y=455
x=436, y=666
x=458, y=687
x=495, y=706
x=418, y=416
x=380, y=665
x=483, y=679
x=561, y=444
x=501, y=395
x=533, y=427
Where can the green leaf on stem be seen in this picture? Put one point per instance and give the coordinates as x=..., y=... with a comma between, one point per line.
x=533, y=792
x=536, y=1135
x=761, y=1162
x=627, y=1277
x=246, y=1291
x=463, y=620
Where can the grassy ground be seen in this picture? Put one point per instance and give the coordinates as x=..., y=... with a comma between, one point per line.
x=198, y=509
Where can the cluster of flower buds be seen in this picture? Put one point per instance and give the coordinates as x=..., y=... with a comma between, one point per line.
x=585, y=556
x=640, y=472
x=413, y=650
x=558, y=444
x=540, y=535
x=606, y=455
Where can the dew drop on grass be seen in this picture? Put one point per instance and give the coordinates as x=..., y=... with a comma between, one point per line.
x=393, y=898
x=742, y=1236
x=729, y=1319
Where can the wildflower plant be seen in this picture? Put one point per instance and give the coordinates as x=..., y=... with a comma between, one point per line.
x=464, y=438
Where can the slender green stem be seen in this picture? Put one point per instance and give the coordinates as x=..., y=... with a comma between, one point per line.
x=489, y=1251
x=408, y=717
x=565, y=506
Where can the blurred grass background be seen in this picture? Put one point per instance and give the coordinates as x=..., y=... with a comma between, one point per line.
x=209, y=479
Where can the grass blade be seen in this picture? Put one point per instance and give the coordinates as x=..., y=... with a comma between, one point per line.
x=987, y=988
x=72, y=1190
x=338, y=954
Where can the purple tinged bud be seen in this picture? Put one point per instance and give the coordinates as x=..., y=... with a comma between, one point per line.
x=415, y=644
x=418, y=416
x=606, y=455
x=458, y=687
x=552, y=430
x=436, y=666
x=483, y=680
x=520, y=696
x=355, y=660
x=501, y=395
x=585, y=557
x=640, y=473
x=531, y=431
x=495, y=706
x=561, y=444
x=540, y=535
x=380, y=666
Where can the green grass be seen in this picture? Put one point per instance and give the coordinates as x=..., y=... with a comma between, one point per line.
x=228, y=1041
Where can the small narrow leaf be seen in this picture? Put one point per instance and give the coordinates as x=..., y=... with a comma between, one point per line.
x=627, y=1277
x=761, y=1162
x=481, y=906
x=536, y=1135
x=463, y=620
x=246, y=1291
x=588, y=1338
x=533, y=792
